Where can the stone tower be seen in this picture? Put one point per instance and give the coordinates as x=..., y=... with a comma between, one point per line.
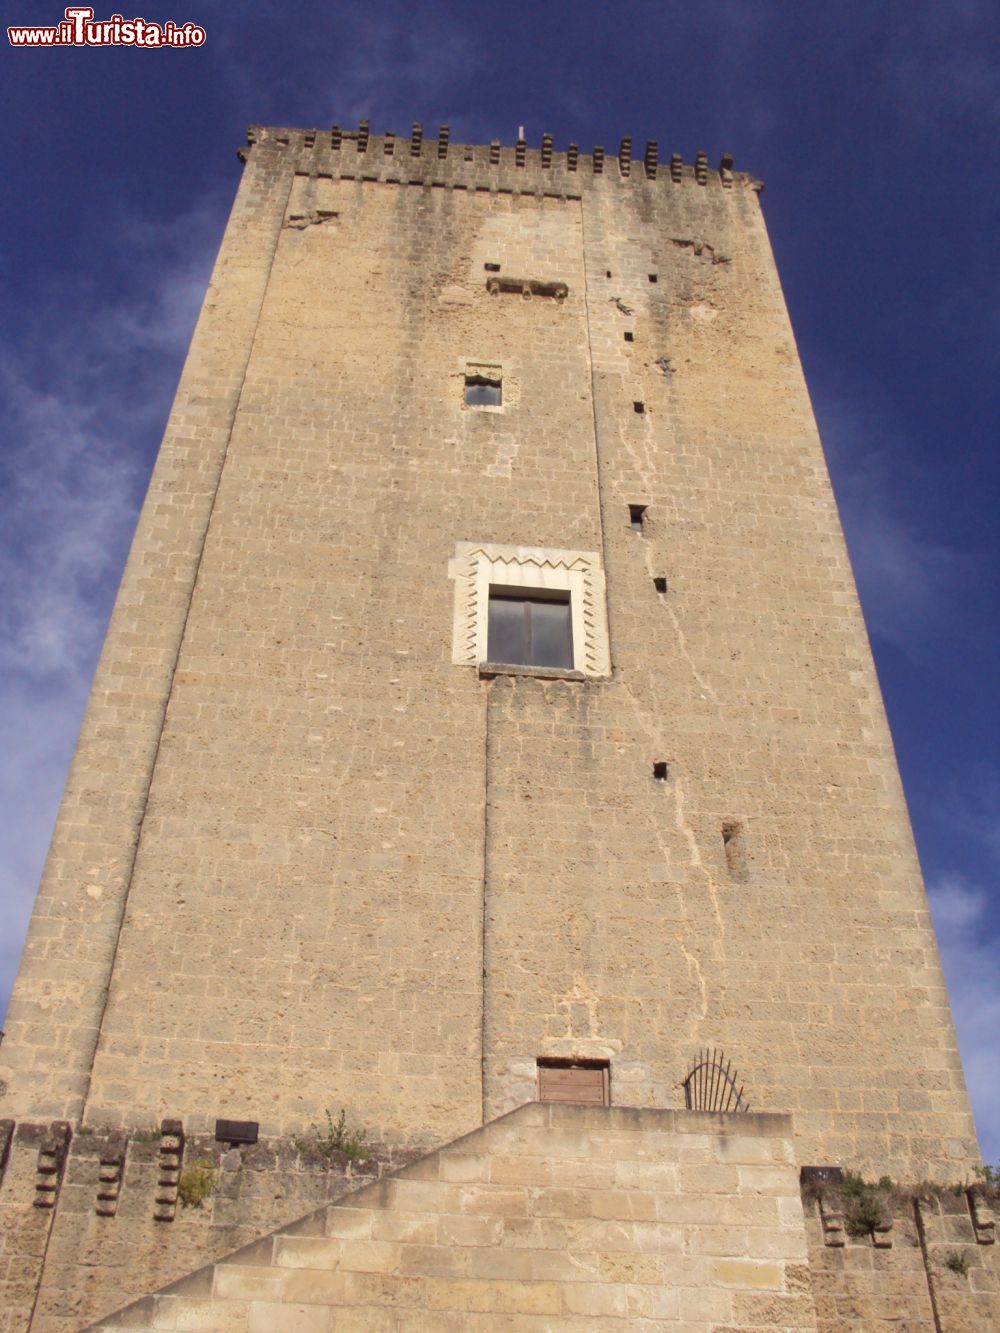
x=486, y=717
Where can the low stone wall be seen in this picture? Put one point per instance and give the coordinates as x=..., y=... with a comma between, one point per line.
x=554, y=1216
x=931, y=1265
x=93, y=1220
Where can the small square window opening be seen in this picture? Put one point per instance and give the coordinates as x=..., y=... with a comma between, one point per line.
x=653, y=277
x=636, y=518
x=482, y=392
x=630, y=336
x=660, y=583
x=492, y=268
x=530, y=627
x=639, y=407
x=660, y=771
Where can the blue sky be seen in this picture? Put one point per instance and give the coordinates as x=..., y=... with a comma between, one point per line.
x=874, y=126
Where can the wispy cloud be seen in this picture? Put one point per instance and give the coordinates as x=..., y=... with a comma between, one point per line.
x=84, y=397
x=409, y=58
x=968, y=807
x=952, y=50
x=907, y=576
x=972, y=967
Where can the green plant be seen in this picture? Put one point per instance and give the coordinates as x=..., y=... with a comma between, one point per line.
x=146, y=1135
x=988, y=1176
x=865, y=1204
x=197, y=1182
x=336, y=1138
x=958, y=1263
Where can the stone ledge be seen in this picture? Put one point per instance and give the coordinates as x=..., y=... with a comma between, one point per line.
x=488, y=670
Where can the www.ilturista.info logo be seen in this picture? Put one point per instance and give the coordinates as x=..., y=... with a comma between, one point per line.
x=78, y=28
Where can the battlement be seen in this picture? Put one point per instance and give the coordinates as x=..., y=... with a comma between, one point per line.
x=416, y=159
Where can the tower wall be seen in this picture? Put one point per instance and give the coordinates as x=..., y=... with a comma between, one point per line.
x=350, y=868
x=57, y=1007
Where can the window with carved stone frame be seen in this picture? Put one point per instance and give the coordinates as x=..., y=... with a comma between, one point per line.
x=482, y=570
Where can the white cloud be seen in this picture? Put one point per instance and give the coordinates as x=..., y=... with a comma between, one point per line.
x=971, y=959
x=84, y=398
x=71, y=494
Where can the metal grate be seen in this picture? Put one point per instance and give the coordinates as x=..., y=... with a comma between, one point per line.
x=711, y=1085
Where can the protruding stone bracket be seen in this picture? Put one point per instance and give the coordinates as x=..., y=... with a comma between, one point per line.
x=983, y=1220
x=444, y=134
x=676, y=167
x=822, y=1183
x=110, y=1174
x=520, y=151
x=598, y=160
x=832, y=1217
x=6, y=1139
x=170, y=1162
x=336, y=138
x=314, y=218
x=546, y=150
x=701, y=168
x=650, y=159
x=389, y=144
x=494, y=152
x=363, y=137
x=726, y=170
x=527, y=287
x=416, y=139
x=51, y=1163
x=572, y=157
x=882, y=1235
x=625, y=156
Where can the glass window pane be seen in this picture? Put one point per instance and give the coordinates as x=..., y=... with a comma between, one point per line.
x=551, y=634
x=482, y=393
x=506, y=638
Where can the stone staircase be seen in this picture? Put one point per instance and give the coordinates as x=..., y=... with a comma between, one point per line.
x=552, y=1217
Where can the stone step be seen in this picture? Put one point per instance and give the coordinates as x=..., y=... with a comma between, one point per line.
x=552, y=1216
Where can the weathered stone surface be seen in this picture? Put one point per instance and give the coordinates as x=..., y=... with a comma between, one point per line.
x=480, y=1261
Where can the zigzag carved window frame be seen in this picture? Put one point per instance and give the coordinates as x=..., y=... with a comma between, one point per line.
x=479, y=566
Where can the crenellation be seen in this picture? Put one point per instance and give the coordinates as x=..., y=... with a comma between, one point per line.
x=469, y=167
